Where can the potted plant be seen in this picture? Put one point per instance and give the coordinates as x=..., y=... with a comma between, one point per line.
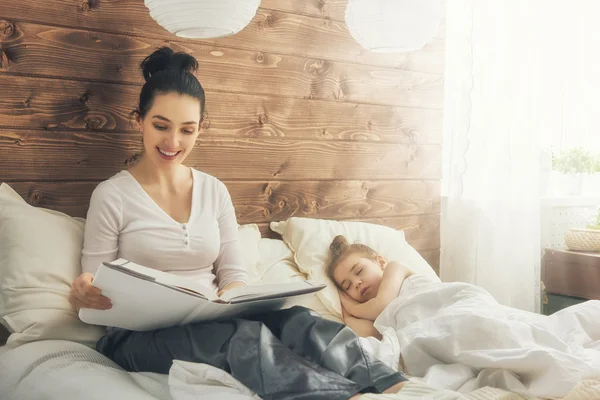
x=575, y=172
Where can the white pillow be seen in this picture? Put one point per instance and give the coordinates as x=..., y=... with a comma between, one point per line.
x=276, y=265
x=40, y=255
x=310, y=238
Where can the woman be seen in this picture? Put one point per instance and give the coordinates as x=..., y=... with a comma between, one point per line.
x=164, y=215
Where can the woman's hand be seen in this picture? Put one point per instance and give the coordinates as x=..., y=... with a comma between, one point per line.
x=84, y=295
x=232, y=285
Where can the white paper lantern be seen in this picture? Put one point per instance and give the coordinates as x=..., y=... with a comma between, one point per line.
x=203, y=19
x=390, y=26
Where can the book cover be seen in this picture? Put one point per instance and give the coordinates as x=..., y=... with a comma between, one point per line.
x=147, y=299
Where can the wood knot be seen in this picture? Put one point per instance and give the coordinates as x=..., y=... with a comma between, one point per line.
x=413, y=134
x=315, y=206
x=36, y=198
x=264, y=24
x=205, y=122
x=260, y=57
x=86, y=7
x=84, y=98
x=92, y=123
x=281, y=204
x=316, y=67
x=27, y=102
x=322, y=7
x=4, y=61
x=263, y=119
x=339, y=92
x=282, y=167
x=7, y=28
x=267, y=190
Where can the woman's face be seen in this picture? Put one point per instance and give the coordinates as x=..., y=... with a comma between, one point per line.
x=170, y=129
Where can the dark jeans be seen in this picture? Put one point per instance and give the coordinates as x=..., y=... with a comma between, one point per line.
x=286, y=354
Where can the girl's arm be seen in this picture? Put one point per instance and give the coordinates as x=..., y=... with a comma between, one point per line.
x=393, y=277
x=362, y=327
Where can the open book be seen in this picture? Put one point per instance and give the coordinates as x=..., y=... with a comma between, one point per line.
x=146, y=299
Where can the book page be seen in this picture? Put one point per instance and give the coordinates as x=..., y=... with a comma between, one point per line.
x=162, y=277
x=210, y=311
x=256, y=292
x=138, y=304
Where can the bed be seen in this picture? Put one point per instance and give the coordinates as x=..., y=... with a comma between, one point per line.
x=51, y=354
x=54, y=369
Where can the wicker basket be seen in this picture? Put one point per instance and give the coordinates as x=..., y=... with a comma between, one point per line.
x=583, y=239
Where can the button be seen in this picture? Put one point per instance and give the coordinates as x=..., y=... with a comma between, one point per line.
x=186, y=242
x=183, y=226
x=185, y=234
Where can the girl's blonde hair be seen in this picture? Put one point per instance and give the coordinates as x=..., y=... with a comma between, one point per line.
x=340, y=248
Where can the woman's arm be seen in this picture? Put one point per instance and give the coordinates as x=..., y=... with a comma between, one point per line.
x=229, y=265
x=100, y=244
x=102, y=227
x=393, y=277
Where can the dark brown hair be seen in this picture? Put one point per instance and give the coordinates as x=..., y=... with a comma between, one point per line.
x=166, y=71
x=340, y=248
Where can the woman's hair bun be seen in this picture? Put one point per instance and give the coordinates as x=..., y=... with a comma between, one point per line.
x=165, y=58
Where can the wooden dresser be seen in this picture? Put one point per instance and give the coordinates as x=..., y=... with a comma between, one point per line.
x=569, y=277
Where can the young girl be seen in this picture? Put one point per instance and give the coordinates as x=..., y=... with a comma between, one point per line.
x=460, y=329
x=366, y=281
x=167, y=216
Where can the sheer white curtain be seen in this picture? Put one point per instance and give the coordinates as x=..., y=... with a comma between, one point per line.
x=509, y=65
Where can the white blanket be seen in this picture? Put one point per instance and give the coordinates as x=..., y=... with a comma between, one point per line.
x=456, y=336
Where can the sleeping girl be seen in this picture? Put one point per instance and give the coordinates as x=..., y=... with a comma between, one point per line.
x=455, y=335
x=367, y=283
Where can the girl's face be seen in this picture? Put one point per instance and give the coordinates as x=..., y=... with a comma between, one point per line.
x=359, y=276
x=170, y=129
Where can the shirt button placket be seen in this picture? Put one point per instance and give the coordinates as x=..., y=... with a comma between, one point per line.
x=185, y=234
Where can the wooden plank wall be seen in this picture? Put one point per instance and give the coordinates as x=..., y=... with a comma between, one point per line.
x=301, y=121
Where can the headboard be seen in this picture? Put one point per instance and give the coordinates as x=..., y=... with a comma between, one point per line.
x=300, y=120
